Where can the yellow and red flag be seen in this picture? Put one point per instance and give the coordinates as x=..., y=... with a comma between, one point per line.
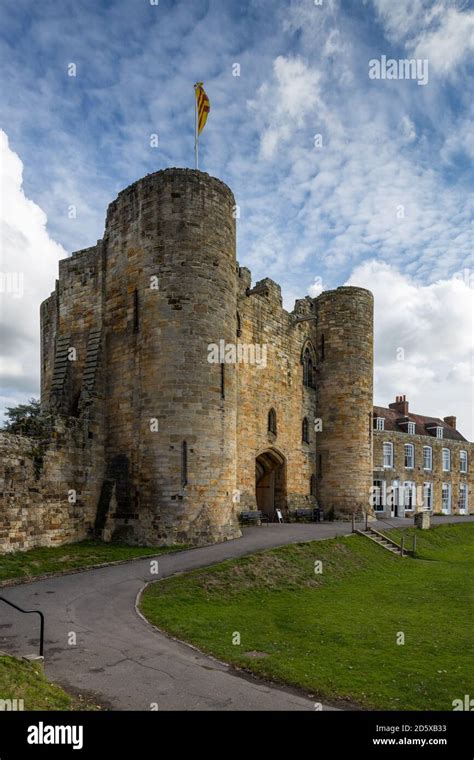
x=203, y=106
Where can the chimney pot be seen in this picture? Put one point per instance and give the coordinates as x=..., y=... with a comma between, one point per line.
x=400, y=405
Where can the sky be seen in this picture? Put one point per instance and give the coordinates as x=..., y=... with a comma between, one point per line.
x=341, y=178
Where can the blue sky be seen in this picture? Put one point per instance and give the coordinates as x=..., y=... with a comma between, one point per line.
x=384, y=202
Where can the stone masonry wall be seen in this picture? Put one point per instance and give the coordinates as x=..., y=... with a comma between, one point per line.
x=345, y=398
x=278, y=385
x=36, y=484
x=418, y=475
x=170, y=293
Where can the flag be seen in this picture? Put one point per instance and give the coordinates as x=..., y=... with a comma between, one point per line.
x=203, y=106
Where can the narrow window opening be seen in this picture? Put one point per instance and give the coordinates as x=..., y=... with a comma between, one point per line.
x=136, y=323
x=222, y=380
x=272, y=422
x=184, y=464
x=305, y=430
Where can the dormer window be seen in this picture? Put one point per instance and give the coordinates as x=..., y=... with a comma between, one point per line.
x=411, y=428
x=379, y=423
x=434, y=429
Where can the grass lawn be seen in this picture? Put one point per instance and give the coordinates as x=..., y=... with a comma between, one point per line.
x=25, y=680
x=335, y=634
x=71, y=557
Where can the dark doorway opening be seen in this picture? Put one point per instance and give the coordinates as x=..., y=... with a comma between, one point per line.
x=270, y=482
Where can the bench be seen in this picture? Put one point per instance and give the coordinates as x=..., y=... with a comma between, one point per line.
x=307, y=514
x=253, y=517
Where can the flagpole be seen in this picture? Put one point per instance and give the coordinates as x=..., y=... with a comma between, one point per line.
x=196, y=136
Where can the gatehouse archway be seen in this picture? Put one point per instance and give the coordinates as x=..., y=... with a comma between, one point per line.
x=270, y=482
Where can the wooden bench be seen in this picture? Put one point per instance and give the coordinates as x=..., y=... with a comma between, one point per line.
x=308, y=513
x=305, y=514
x=253, y=517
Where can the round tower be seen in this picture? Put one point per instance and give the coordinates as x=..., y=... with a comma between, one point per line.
x=344, y=399
x=171, y=398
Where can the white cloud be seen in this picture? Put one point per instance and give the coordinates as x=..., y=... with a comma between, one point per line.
x=28, y=265
x=281, y=106
x=433, y=324
x=450, y=44
x=441, y=32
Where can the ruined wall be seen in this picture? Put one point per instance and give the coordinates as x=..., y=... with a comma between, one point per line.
x=418, y=475
x=38, y=507
x=277, y=384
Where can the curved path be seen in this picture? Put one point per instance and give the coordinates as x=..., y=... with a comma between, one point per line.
x=124, y=661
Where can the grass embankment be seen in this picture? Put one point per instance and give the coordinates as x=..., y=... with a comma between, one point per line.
x=22, y=680
x=335, y=634
x=26, y=565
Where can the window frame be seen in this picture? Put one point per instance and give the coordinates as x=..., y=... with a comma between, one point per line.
x=410, y=487
x=428, y=490
x=387, y=466
x=463, y=488
x=463, y=460
x=379, y=495
x=447, y=486
x=410, y=447
x=411, y=428
x=444, y=451
x=430, y=449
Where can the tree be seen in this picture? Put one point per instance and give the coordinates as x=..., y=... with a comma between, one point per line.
x=27, y=419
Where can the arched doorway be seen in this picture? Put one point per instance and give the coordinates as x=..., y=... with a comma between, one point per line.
x=270, y=482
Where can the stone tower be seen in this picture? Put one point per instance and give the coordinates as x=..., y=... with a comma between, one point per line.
x=344, y=398
x=167, y=290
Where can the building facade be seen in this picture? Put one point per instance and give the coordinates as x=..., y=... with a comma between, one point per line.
x=419, y=463
x=181, y=395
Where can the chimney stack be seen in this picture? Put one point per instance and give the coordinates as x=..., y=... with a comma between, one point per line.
x=451, y=421
x=400, y=405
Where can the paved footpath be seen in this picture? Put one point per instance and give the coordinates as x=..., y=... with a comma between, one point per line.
x=124, y=661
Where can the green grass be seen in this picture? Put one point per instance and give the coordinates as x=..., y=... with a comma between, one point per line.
x=335, y=634
x=29, y=564
x=24, y=680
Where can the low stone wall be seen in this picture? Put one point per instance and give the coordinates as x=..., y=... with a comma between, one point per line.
x=46, y=494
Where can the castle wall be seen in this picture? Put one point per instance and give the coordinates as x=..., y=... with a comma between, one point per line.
x=36, y=489
x=266, y=326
